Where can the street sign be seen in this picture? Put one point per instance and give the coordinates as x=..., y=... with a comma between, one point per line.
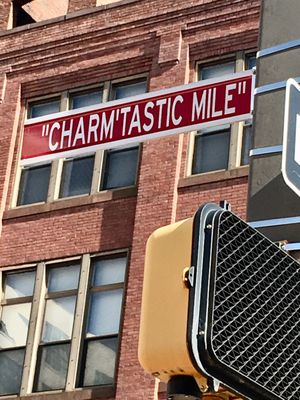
x=291, y=137
x=131, y=120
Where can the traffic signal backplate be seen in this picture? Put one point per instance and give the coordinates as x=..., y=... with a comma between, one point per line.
x=244, y=308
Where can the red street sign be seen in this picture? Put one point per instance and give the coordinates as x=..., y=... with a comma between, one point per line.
x=181, y=109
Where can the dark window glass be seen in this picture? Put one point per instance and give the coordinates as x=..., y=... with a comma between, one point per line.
x=211, y=151
x=52, y=367
x=77, y=176
x=34, y=185
x=84, y=99
x=120, y=168
x=42, y=108
x=11, y=366
x=125, y=89
x=250, y=62
x=217, y=70
x=20, y=16
x=100, y=372
x=246, y=146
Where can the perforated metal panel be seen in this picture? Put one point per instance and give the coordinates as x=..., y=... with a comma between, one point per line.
x=251, y=335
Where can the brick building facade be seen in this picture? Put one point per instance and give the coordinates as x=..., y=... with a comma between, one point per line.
x=73, y=231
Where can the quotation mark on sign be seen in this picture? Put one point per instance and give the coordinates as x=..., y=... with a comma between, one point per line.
x=242, y=87
x=45, y=130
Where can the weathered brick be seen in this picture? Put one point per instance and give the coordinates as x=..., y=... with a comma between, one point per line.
x=163, y=39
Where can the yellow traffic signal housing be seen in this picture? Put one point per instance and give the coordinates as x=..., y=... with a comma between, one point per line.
x=221, y=304
x=163, y=348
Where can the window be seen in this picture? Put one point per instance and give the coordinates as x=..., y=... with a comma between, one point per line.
x=250, y=61
x=76, y=176
x=39, y=109
x=20, y=16
x=120, y=166
x=54, y=349
x=86, y=98
x=17, y=295
x=77, y=173
x=85, y=174
x=32, y=179
x=30, y=11
x=103, y=322
x=217, y=70
x=211, y=149
x=227, y=146
x=74, y=339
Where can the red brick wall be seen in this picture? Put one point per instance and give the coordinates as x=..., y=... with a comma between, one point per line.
x=75, y=5
x=9, y=122
x=232, y=190
x=163, y=39
x=4, y=13
x=78, y=230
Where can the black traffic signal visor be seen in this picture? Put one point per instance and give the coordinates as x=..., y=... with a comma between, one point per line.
x=244, y=308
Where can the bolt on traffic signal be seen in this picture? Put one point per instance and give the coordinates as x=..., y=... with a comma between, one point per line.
x=221, y=303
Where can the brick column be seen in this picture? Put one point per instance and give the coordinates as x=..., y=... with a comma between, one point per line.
x=76, y=5
x=156, y=206
x=5, y=9
x=9, y=119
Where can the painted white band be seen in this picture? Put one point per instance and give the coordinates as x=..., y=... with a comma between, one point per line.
x=275, y=222
x=291, y=246
x=265, y=150
x=278, y=48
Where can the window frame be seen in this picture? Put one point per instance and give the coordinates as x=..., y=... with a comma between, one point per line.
x=51, y=296
x=221, y=129
x=15, y=301
x=99, y=155
x=105, y=159
x=61, y=175
x=101, y=288
x=236, y=131
x=17, y=193
x=35, y=327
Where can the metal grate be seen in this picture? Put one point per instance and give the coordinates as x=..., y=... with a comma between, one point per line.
x=256, y=312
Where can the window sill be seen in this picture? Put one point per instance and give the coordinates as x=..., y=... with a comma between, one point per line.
x=104, y=196
x=214, y=176
x=105, y=392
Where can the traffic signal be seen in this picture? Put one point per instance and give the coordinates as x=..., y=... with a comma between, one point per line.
x=221, y=302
